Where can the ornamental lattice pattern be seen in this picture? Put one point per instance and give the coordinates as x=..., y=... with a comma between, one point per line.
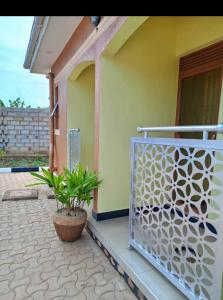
x=176, y=213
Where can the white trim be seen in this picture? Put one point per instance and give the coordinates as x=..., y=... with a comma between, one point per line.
x=39, y=41
x=45, y=168
x=102, y=27
x=5, y=170
x=35, y=31
x=24, y=169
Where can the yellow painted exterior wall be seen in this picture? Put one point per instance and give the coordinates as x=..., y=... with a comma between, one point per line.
x=139, y=87
x=81, y=95
x=139, y=82
x=194, y=33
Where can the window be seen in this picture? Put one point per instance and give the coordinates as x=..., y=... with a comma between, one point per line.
x=200, y=80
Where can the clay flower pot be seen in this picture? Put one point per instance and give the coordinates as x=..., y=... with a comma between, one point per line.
x=69, y=228
x=72, y=189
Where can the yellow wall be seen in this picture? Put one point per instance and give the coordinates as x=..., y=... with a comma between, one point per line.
x=194, y=33
x=139, y=87
x=80, y=98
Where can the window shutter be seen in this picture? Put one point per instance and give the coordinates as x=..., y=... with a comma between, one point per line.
x=202, y=60
x=199, y=89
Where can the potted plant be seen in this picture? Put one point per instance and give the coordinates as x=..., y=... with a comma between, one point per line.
x=72, y=190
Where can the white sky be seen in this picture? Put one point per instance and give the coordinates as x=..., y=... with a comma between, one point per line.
x=15, y=81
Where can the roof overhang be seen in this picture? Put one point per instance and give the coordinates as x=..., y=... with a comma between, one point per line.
x=48, y=37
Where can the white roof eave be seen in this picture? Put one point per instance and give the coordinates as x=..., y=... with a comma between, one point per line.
x=35, y=40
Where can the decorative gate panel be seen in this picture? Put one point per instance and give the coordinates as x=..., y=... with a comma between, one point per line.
x=176, y=211
x=74, y=147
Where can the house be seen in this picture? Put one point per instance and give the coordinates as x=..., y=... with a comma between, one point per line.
x=109, y=75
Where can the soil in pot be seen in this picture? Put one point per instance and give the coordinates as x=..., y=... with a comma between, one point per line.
x=69, y=228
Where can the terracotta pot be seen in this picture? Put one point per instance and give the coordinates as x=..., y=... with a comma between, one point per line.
x=69, y=228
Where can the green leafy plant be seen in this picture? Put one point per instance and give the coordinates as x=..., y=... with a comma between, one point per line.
x=72, y=189
x=15, y=103
x=2, y=152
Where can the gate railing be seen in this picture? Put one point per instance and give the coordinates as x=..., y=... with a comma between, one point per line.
x=176, y=208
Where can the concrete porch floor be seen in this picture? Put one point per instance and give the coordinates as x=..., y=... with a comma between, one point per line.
x=113, y=234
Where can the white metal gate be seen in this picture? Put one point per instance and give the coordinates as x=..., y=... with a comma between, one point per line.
x=74, y=147
x=176, y=209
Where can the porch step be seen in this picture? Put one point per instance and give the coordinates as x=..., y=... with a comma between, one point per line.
x=113, y=235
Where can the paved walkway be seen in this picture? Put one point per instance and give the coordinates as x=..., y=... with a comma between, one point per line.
x=35, y=264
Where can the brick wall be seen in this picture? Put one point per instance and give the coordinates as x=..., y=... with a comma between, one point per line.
x=24, y=130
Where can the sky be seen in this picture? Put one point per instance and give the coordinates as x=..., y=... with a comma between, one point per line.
x=15, y=81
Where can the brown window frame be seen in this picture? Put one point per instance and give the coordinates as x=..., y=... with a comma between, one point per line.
x=199, y=62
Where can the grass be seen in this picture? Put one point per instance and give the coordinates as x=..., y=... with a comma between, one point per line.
x=22, y=161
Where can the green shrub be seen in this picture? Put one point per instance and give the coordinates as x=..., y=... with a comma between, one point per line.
x=2, y=152
x=72, y=189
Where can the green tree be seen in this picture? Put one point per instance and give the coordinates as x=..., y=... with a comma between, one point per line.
x=16, y=103
x=2, y=104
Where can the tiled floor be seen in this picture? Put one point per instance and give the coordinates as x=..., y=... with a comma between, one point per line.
x=113, y=234
x=35, y=264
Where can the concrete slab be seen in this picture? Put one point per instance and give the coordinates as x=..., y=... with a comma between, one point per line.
x=20, y=194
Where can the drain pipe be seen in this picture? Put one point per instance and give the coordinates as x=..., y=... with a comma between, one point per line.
x=50, y=76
